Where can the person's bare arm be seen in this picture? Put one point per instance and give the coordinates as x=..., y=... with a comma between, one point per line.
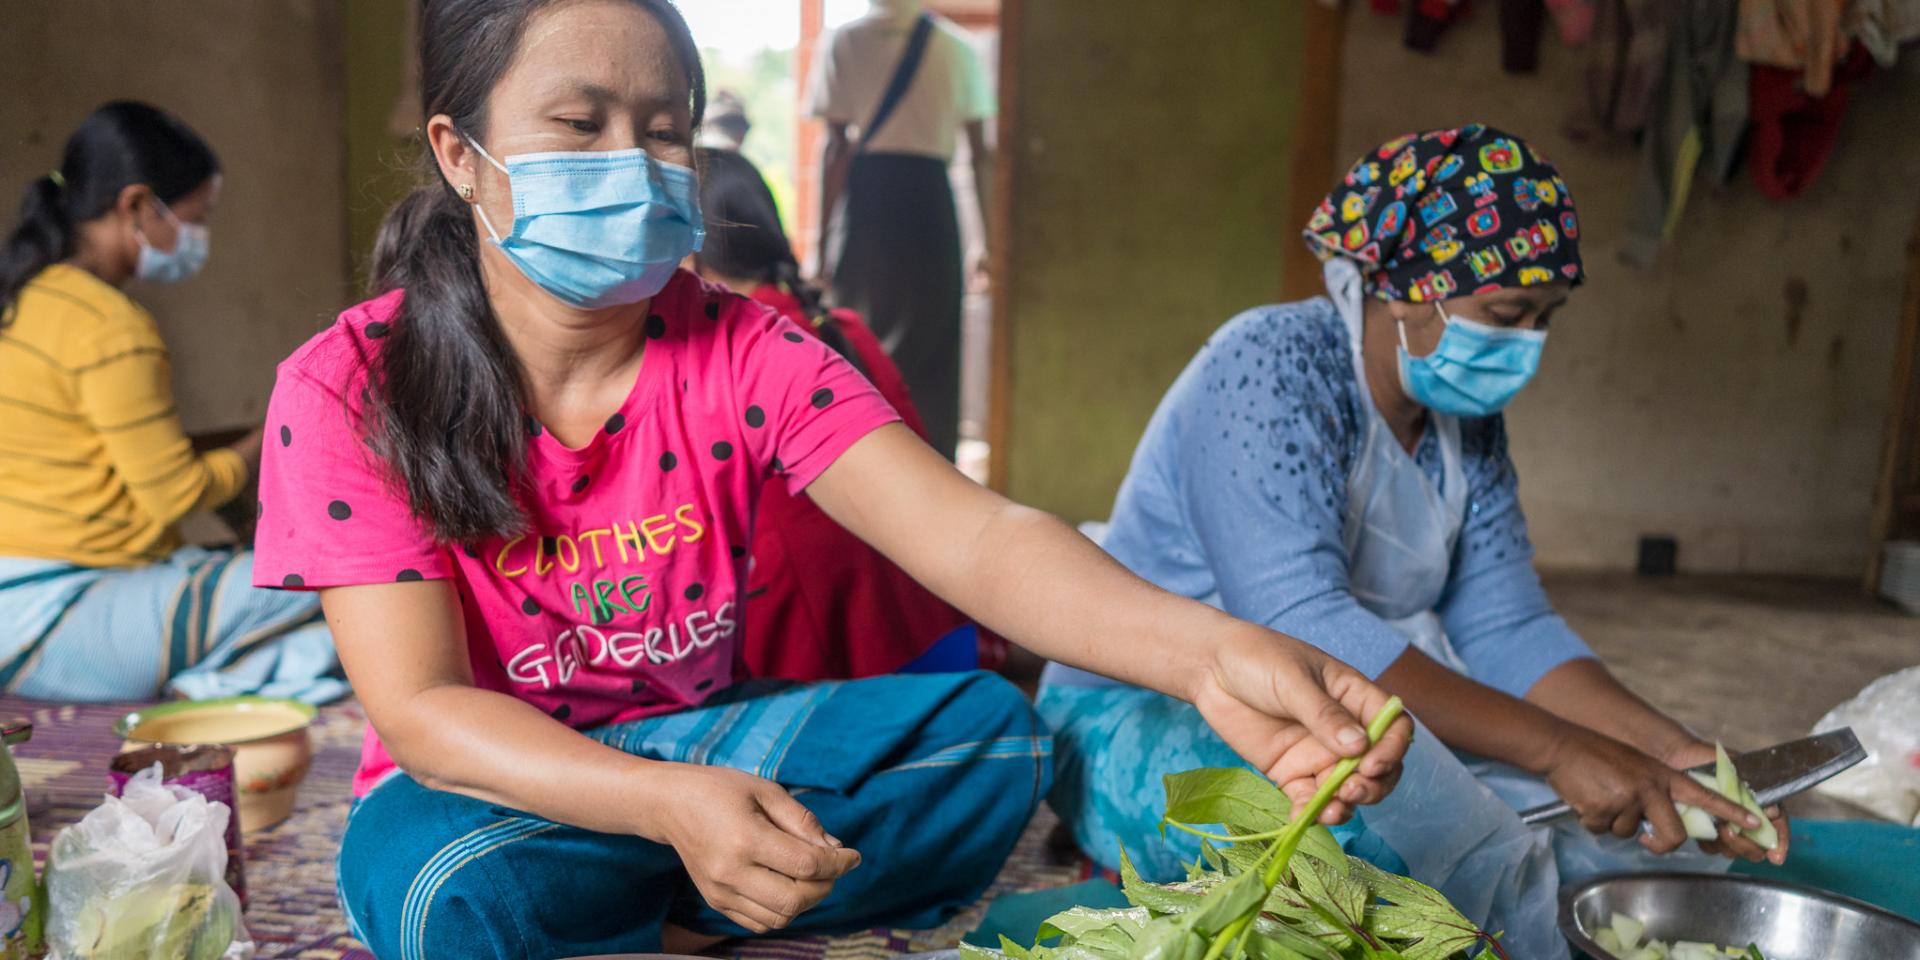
x=1470, y=716
x=836, y=159
x=404, y=648
x=1285, y=706
x=1585, y=692
x=248, y=447
x=240, y=514
x=755, y=853
x=244, y=441
x=1612, y=785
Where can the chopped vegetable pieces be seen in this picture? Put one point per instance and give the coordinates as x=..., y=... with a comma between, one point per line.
x=1621, y=939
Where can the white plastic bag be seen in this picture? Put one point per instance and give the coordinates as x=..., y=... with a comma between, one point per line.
x=1886, y=718
x=144, y=876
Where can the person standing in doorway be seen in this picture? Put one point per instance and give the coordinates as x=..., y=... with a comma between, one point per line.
x=726, y=125
x=895, y=89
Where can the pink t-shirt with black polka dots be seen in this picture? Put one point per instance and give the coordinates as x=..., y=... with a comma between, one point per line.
x=623, y=599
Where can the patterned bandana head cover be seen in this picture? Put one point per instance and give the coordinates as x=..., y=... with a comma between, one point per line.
x=1449, y=213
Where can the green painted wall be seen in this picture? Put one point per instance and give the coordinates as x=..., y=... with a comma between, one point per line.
x=1148, y=207
x=379, y=166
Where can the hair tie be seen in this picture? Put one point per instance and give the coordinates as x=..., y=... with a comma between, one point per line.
x=59, y=179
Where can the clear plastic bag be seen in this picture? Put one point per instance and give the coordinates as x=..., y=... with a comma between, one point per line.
x=143, y=876
x=1886, y=718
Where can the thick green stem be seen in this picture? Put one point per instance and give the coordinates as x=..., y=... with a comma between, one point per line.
x=1282, y=850
x=1230, y=934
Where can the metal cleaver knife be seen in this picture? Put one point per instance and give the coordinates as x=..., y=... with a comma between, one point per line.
x=1776, y=773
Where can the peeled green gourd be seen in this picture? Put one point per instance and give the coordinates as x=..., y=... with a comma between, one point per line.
x=1727, y=783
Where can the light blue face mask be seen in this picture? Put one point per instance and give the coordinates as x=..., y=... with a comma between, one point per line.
x=189, y=253
x=598, y=229
x=1474, y=371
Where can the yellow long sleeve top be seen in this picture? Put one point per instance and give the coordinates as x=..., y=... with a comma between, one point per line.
x=94, y=466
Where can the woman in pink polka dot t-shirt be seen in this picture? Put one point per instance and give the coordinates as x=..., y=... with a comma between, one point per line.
x=524, y=480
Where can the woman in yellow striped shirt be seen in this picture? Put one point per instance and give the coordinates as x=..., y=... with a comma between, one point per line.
x=100, y=599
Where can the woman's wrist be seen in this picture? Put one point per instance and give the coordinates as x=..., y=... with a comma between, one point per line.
x=1557, y=741
x=1233, y=645
x=653, y=791
x=1656, y=734
x=1678, y=747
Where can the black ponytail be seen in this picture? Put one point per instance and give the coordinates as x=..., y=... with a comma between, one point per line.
x=401, y=232
x=826, y=326
x=746, y=240
x=42, y=235
x=447, y=401
x=117, y=146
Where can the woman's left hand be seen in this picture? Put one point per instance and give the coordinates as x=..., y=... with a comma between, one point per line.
x=1694, y=753
x=1294, y=712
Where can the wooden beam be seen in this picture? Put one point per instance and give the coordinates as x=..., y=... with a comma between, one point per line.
x=1896, y=498
x=974, y=19
x=1002, y=262
x=803, y=225
x=1316, y=128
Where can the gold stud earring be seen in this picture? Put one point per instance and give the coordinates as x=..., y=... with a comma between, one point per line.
x=466, y=191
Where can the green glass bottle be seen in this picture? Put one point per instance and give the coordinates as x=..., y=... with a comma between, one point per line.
x=20, y=896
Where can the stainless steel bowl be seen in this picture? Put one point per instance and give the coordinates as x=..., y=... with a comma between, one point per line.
x=1786, y=921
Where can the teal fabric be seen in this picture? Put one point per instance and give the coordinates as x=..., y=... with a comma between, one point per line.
x=1878, y=863
x=931, y=777
x=190, y=625
x=1113, y=747
x=1017, y=916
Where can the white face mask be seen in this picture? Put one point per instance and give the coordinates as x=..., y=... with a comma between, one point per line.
x=189, y=253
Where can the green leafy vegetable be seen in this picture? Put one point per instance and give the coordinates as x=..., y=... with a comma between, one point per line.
x=1250, y=897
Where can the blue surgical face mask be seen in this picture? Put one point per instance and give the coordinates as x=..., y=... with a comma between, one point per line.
x=189, y=253
x=1474, y=371
x=598, y=229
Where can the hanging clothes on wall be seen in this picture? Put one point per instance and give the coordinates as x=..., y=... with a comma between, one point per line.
x=1794, y=132
x=1520, y=25
x=1625, y=64
x=1574, y=19
x=1883, y=25
x=1699, y=113
x=1800, y=35
x=1428, y=19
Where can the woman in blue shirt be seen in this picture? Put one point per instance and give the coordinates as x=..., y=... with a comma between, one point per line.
x=1337, y=469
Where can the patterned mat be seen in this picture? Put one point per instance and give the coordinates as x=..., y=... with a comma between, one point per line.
x=290, y=867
